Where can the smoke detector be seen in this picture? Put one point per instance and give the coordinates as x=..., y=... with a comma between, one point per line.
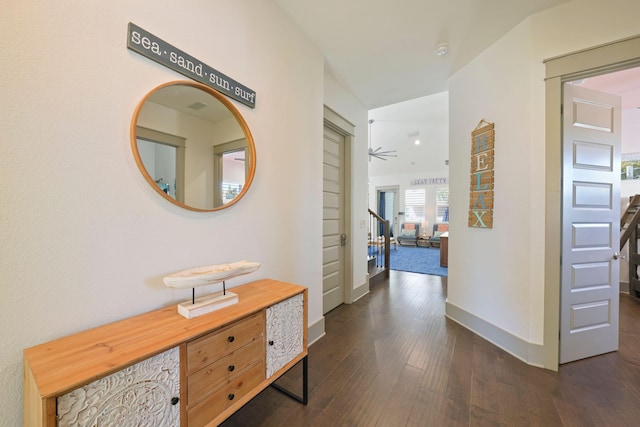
x=442, y=49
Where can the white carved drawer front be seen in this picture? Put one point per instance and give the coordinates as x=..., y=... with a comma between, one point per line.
x=284, y=332
x=140, y=395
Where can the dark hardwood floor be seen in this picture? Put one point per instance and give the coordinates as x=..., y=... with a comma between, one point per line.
x=393, y=359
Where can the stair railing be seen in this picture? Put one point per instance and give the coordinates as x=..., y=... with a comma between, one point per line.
x=379, y=238
x=629, y=232
x=629, y=220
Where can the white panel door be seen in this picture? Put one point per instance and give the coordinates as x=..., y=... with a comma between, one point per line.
x=590, y=223
x=333, y=221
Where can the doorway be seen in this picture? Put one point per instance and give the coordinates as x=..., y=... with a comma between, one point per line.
x=163, y=155
x=336, y=230
x=387, y=206
x=612, y=57
x=590, y=285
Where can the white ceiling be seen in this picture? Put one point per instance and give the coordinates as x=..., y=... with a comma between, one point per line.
x=397, y=126
x=383, y=50
x=184, y=98
x=429, y=116
x=625, y=83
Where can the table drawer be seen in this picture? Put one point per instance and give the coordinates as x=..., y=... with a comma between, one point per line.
x=215, y=375
x=209, y=348
x=226, y=396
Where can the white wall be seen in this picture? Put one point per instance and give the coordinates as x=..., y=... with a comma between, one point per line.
x=631, y=131
x=494, y=87
x=84, y=239
x=497, y=275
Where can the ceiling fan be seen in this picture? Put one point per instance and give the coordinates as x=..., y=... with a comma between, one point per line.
x=377, y=153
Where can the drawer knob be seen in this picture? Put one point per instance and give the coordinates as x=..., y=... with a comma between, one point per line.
x=271, y=342
x=231, y=368
x=175, y=400
x=231, y=338
x=231, y=396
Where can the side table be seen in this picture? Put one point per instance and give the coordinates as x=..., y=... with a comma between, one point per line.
x=423, y=241
x=444, y=249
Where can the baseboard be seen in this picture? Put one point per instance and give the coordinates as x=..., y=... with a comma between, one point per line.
x=380, y=276
x=360, y=291
x=624, y=287
x=530, y=353
x=315, y=331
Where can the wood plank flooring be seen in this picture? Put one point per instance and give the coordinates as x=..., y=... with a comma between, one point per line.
x=393, y=359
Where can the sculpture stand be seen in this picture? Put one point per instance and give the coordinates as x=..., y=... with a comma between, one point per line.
x=207, y=304
x=208, y=275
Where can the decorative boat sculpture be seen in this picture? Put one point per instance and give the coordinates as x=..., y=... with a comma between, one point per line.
x=208, y=275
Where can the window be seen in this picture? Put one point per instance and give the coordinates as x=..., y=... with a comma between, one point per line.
x=230, y=191
x=442, y=205
x=414, y=205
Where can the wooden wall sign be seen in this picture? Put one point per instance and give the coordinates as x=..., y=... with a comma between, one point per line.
x=156, y=49
x=481, y=189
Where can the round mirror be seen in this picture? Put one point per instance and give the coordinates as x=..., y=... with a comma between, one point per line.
x=193, y=146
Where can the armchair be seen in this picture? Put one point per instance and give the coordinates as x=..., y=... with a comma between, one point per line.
x=438, y=229
x=408, y=234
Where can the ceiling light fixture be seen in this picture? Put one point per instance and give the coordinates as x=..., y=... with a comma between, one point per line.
x=377, y=153
x=196, y=105
x=442, y=49
x=415, y=136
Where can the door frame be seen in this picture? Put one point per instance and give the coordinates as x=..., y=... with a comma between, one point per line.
x=610, y=57
x=342, y=126
x=396, y=203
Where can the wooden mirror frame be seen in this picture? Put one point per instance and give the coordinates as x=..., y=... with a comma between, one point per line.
x=251, y=151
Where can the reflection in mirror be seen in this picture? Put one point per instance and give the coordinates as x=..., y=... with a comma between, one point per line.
x=193, y=146
x=231, y=168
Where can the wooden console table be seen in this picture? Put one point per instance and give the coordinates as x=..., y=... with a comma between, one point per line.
x=162, y=367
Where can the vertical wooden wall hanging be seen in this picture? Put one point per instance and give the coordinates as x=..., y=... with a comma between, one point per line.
x=481, y=189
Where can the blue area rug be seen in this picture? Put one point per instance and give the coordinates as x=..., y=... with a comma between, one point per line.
x=416, y=260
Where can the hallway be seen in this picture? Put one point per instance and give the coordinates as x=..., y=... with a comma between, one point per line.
x=393, y=359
